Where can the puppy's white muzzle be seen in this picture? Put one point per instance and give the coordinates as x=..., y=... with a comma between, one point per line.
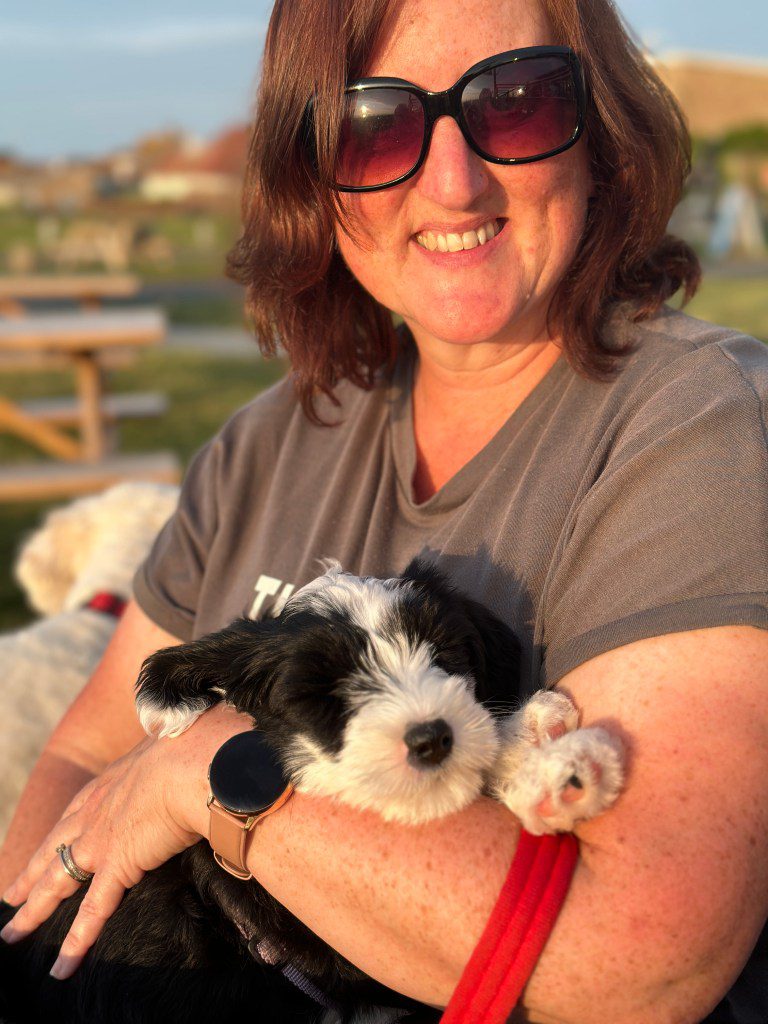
x=376, y=767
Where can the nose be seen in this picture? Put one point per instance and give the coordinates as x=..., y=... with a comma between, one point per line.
x=429, y=743
x=452, y=175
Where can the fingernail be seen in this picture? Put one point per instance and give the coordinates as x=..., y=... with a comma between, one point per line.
x=58, y=971
x=10, y=934
x=64, y=967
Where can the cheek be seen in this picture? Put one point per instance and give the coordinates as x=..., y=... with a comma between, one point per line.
x=547, y=210
x=369, y=243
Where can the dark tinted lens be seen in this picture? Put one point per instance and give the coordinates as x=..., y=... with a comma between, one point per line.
x=522, y=109
x=381, y=136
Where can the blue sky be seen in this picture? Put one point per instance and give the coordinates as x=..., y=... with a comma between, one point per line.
x=82, y=76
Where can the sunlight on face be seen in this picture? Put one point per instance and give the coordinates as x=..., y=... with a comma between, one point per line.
x=497, y=292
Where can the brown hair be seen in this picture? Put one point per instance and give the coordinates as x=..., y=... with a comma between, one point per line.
x=300, y=292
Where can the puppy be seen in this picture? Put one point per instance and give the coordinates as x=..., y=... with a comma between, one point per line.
x=371, y=692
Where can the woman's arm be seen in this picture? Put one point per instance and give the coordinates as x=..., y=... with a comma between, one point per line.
x=672, y=887
x=666, y=903
x=99, y=727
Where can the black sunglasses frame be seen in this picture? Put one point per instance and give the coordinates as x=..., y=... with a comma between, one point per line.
x=448, y=104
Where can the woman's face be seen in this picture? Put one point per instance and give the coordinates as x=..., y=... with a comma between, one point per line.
x=498, y=292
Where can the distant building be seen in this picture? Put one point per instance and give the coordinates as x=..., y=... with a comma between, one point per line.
x=211, y=172
x=58, y=185
x=12, y=175
x=718, y=94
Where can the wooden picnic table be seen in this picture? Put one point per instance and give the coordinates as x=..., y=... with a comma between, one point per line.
x=88, y=290
x=79, y=340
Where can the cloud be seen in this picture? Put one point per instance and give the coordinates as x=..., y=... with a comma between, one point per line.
x=163, y=37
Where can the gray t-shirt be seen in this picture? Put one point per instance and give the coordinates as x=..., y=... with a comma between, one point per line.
x=599, y=514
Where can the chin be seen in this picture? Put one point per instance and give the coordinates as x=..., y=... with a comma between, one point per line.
x=499, y=311
x=465, y=323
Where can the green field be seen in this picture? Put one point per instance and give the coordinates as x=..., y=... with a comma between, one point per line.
x=740, y=302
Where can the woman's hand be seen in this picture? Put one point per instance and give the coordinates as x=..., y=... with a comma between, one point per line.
x=130, y=819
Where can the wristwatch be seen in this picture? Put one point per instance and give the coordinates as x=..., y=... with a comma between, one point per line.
x=247, y=783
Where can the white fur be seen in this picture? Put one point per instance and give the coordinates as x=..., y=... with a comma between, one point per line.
x=91, y=545
x=372, y=770
x=160, y=722
x=531, y=767
x=368, y=601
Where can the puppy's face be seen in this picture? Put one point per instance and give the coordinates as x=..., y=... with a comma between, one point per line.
x=370, y=690
x=375, y=696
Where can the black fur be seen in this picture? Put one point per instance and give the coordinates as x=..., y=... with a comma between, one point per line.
x=182, y=947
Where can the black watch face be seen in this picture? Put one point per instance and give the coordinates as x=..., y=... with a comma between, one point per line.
x=245, y=775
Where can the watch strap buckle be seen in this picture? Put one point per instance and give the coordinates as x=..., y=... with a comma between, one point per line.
x=244, y=875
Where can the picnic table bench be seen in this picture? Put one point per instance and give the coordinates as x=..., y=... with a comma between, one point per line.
x=89, y=290
x=79, y=340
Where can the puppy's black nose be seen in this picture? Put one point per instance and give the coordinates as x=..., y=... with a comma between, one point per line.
x=429, y=743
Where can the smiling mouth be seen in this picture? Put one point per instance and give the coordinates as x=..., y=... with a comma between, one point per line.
x=434, y=241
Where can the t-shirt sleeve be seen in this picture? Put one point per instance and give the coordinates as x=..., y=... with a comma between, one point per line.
x=218, y=495
x=167, y=584
x=672, y=535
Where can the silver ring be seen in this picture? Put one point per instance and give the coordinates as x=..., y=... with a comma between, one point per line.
x=65, y=852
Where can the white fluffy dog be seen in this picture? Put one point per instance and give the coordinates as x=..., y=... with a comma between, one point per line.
x=92, y=546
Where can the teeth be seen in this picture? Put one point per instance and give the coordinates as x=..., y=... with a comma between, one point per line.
x=453, y=242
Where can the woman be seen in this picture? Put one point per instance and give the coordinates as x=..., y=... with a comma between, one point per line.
x=595, y=509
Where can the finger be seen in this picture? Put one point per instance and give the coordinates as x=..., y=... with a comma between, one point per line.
x=67, y=830
x=51, y=888
x=98, y=905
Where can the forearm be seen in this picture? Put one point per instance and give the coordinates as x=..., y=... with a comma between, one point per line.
x=52, y=784
x=408, y=905
x=668, y=897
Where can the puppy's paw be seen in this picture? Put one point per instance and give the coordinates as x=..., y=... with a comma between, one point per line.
x=547, y=715
x=563, y=781
x=170, y=720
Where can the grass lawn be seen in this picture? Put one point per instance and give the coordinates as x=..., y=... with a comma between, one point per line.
x=735, y=302
x=202, y=389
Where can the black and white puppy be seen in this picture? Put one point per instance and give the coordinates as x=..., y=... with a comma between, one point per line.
x=373, y=692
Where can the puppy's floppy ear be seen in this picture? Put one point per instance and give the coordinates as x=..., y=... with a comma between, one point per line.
x=498, y=668
x=426, y=574
x=497, y=656
x=177, y=684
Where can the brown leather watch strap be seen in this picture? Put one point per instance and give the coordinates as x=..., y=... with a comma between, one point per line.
x=229, y=833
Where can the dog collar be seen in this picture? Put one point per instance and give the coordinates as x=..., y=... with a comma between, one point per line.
x=109, y=604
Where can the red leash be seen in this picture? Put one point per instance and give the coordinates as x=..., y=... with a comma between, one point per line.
x=517, y=930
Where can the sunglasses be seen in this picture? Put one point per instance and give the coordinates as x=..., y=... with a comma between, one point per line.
x=514, y=108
